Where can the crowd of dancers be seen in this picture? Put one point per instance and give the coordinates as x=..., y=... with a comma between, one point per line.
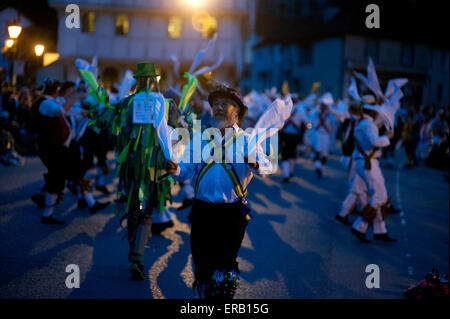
x=68, y=124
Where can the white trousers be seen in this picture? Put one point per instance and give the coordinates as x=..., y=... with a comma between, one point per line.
x=374, y=181
x=357, y=193
x=322, y=143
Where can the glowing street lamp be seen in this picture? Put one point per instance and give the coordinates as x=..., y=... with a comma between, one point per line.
x=14, y=30
x=9, y=43
x=39, y=49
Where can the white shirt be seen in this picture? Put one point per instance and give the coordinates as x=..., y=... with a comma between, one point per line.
x=315, y=121
x=216, y=185
x=51, y=106
x=366, y=136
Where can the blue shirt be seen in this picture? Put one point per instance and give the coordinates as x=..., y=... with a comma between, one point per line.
x=216, y=185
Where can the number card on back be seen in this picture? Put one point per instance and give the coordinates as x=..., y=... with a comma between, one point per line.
x=143, y=107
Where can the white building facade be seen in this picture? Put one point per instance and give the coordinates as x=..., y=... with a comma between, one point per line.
x=123, y=33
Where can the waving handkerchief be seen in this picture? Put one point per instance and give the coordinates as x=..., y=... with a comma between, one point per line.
x=270, y=122
x=160, y=124
x=126, y=84
x=201, y=53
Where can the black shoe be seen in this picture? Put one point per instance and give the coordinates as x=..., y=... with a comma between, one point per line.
x=285, y=180
x=39, y=200
x=319, y=173
x=103, y=189
x=59, y=199
x=343, y=220
x=160, y=227
x=82, y=203
x=73, y=188
x=360, y=236
x=393, y=210
x=384, y=237
x=52, y=221
x=121, y=199
x=355, y=211
x=97, y=206
x=137, y=272
x=187, y=202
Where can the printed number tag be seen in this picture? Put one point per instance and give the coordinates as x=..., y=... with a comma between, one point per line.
x=143, y=108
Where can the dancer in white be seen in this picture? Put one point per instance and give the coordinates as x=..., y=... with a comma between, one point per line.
x=368, y=143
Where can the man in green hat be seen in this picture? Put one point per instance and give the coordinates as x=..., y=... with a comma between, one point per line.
x=140, y=159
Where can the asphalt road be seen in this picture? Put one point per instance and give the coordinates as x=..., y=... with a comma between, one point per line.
x=293, y=247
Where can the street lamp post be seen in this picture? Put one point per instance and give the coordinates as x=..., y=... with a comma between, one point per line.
x=39, y=49
x=14, y=31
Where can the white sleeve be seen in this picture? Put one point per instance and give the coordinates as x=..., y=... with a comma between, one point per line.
x=264, y=165
x=186, y=171
x=374, y=138
x=51, y=108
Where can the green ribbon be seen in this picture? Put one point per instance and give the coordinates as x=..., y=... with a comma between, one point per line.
x=137, y=139
x=188, y=90
x=123, y=155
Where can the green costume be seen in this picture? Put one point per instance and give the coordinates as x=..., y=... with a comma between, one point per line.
x=140, y=159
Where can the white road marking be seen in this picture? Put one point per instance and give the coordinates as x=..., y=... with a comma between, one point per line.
x=402, y=214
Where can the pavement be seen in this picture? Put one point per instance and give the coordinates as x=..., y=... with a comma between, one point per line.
x=293, y=247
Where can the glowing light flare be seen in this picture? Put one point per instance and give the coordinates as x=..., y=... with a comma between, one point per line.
x=200, y=20
x=195, y=3
x=208, y=75
x=9, y=43
x=14, y=31
x=203, y=22
x=50, y=57
x=39, y=49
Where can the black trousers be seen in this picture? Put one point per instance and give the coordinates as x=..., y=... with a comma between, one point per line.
x=94, y=145
x=217, y=231
x=289, y=144
x=63, y=164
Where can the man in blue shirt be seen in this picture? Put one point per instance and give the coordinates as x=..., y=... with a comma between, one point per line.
x=220, y=214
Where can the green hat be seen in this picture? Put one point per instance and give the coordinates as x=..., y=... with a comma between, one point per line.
x=146, y=69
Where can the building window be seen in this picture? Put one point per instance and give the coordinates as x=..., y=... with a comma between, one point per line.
x=122, y=24
x=175, y=27
x=372, y=50
x=88, y=22
x=407, y=55
x=209, y=28
x=306, y=55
